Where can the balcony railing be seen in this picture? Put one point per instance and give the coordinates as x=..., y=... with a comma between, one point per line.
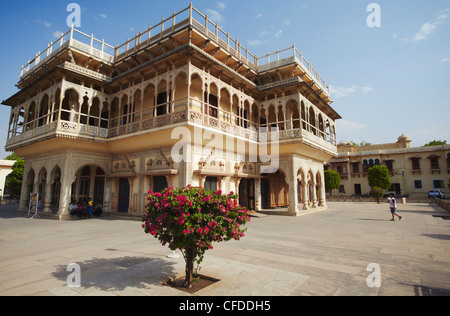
x=76, y=39
x=190, y=111
x=187, y=17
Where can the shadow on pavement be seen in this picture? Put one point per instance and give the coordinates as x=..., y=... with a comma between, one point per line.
x=115, y=274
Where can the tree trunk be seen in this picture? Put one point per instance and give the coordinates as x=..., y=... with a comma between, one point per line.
x=189, y=258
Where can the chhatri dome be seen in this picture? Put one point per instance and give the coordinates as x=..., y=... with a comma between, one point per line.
x=404, y=141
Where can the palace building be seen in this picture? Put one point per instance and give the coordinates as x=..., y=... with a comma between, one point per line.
x=413, y=170
x=101, y=121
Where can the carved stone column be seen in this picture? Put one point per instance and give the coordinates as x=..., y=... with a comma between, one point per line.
x=47, y=198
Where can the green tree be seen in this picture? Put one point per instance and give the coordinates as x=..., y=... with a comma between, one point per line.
x=14, y=179
x=363, y=143
x=436, y=143
x=379, y=177
x=332, y=180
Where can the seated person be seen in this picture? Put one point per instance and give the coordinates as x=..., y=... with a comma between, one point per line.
x=73, y=207
x=98, y=210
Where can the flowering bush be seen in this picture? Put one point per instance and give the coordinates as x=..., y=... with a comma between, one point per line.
x=191, y=219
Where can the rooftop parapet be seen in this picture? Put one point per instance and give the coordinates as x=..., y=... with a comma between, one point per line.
x=76, y=39
x=189, y=17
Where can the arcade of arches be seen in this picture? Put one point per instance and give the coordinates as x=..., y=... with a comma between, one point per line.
x=122, y=191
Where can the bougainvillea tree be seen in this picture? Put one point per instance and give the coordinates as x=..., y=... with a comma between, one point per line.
x=191, y=219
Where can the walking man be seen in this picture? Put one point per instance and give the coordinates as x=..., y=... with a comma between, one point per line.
x=393, y=205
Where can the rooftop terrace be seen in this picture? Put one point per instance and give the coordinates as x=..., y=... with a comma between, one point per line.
x=189, y=17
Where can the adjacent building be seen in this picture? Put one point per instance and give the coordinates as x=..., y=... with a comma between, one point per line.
x=5, y=170
x=413, y=170
x=101, y=121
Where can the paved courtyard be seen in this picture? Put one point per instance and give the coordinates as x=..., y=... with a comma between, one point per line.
x=324, y=253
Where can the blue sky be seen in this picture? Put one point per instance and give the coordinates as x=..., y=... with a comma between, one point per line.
x=385, y=81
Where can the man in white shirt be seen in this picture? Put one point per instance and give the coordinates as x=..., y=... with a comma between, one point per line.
x=393, y=205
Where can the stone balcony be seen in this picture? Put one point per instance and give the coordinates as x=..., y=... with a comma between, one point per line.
x=190, y=115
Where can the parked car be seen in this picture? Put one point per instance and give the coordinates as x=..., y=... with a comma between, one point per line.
x=435, y=193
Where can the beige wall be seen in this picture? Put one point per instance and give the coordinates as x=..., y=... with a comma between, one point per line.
x=403, y=173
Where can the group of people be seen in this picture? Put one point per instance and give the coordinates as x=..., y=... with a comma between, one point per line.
x=85, y=209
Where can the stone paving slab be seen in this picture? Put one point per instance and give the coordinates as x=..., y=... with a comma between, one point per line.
x=322, y=253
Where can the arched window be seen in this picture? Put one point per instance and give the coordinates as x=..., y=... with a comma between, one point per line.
x=312, y=121
x=43, y=111
x=70, y=106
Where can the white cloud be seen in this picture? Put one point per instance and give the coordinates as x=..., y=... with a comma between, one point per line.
x=102, y=15
x=340, y=92
x=266, y=36
x=221, y=6
x=47, y=24
x=215, y=16
x=57, y=34
x=256, y=42
x=445, y=60
x=427, y=29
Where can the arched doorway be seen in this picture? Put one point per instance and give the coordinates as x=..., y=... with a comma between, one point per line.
x=247, y=194
x=160, y=184
x=124, y=195
x=89, y=183
x=274, y=190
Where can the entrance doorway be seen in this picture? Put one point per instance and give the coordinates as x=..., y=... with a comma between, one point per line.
x=124, y=195
x=89, y=183
x=247, y=194
x=265, y=193
x=395, y=187
x=357, y=189
x=159, y=184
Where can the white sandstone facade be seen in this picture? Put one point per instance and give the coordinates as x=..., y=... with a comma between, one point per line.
x=93, y=120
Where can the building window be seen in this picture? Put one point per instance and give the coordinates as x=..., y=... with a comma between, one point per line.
x=162, y=102
x=434, y=163
x=342, y=189
x=438, y=184
x=355, y=167
x=415, y=164
x=211, y=183
x=212, y=107
x=390, y=166
x=418, y=184
x=365, y=165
